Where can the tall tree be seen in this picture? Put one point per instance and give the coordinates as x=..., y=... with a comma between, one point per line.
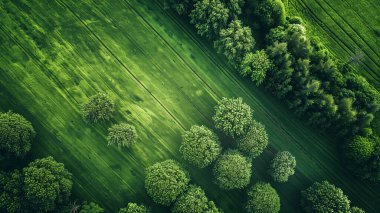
x=282, y=166
x=263, y=198
x=255, y=141
x=255, y=65
x=100, y=107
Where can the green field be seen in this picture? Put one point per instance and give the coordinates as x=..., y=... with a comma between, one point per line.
x=163, y=77
x=345, y=27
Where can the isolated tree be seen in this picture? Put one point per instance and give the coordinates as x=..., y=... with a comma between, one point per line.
x=232, y=171
x=200, y=146
x=134, y=208
x=255, y=65
x=282, y=166
x=194, y=200
x=99, y=108
x=46, y=184
x=182, y=7
x=165, y=181
x=235, y=42
x=356, y=210
x=16, y=134
x=209, y=16
x=324, y=197
x=91, y=208
x=360, y=149
x=233, y=117
x=123, y=135
x=254, y=142
x=263, y=198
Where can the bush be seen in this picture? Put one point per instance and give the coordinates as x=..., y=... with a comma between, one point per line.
x=232, y=171
x=182, y=7
x=356, y=210
x=134, y=208
x=255, y=141
x=165, y=181
x=324, y=197
x=263, y=198
x=16, y=134
x=360, y=149
x=255, y=65
x=282, y=166
x=91, y=208
x=99, y=108
x=124, y=135
x=200, y=146
x=233, y=117
x=194, y=201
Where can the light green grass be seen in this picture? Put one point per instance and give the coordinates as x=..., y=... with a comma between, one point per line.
x=164, y=79
x=345, y=27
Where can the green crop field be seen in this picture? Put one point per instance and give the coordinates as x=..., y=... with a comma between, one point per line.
x=163, y=77
x=346, y=27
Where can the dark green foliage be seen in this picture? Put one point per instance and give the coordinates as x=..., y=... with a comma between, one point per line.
x=232, y=171
x=182, y=7
x=165, y=181
x=123, y=135
x=282, y=166
x=235, y=7
x=360, y=149
x=11, y=192
x=324, y=197
x=356, y=210
x=233, y=117
x=200, y=146
x=271, y=13
x=254, y=142
x=91, y=208
x=194, y=200
x=134, y=208
x=209, y=17
x=255, y=65
x=99, y=108
x=16, y=134
x=263, y=198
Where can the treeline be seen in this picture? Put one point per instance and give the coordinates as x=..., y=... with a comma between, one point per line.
x=295, y=67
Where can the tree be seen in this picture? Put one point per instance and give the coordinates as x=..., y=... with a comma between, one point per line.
x=16, y=134
x=235, y=42
x=165, y=181
x=360, y=149
x=99, y=108
x=255, y=65
x=46, y=183
x=91, y=208
x=235, y=7
x=209, y=16
x=271, y=13
x=11, y=192
x=324, y=197
x=182, y=7
x=255, y=141
x=356, y=210
x=233, y=117
x=232, y=171
x=200, y=146
x=124, y=135
x=282, y=166
x=134, y=208
x=194, y=201
x=263, y=198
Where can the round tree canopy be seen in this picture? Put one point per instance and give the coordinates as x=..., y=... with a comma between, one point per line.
x=263, y=198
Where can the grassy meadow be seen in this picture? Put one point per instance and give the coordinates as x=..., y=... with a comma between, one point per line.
x=164, y=78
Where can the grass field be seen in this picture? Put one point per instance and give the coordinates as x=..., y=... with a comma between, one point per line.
x=345, y=27
x=163, y=77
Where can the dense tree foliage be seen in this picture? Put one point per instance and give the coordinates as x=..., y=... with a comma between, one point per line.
x=235, y=42
x=356, y=210
x=282, y=166
x=232, y=171
x=134, y=208
x=233, y=117
x=263, y=198
x=254, y=142
x=194, y=201
x=165, y=181
x=360, y=149
x=209, y=17
x=271, y=13
x=200, y=146
x=324, y=197
x=41, y=186
x=123, y=135
x=255, y=65
x=16, y=134
x=91, y=208
x=99, y=108
x=235, y=7
x=182, y=7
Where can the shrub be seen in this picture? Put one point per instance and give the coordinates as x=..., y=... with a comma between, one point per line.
x=200, y=146
x=16, y=134
x=282, y=166
x=134, y=208
x=232, y=171
x=99, y=108
x=263, y=198
x=360, y=149
x=165, y=181
x=255, y=65
x=182, y=7
x=255, y=141
x=91, y=208
x=124, y=135
x=356, y=210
